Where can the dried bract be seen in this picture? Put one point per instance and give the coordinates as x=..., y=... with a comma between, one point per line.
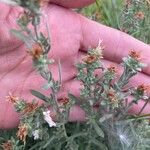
x=7, y=145
x=22, y=132
x=30, y=108
x=12, y=99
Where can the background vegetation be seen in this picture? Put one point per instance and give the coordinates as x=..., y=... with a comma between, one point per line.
x=130, y=16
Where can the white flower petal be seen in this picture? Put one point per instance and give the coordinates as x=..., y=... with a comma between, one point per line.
x=48, y=119
x=35, y=134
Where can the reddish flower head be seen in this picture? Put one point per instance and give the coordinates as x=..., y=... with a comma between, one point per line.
x=64, y=100
x=89, y=59
x=112, y=69
x=30, y=107
x=7, y=145
x=143, y=89
x=139, y=15
x=134, y=54
x=36, y=51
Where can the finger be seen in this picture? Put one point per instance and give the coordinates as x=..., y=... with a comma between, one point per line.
x=136, y=108
x=8, y=117
x=77, y=114
x=135, y=81
x=117, y=44
x=72, y=3
x=71, y=86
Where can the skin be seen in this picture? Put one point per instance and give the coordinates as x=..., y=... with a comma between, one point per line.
x=71, y=36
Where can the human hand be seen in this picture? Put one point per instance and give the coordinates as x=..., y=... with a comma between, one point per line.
x=71, y=36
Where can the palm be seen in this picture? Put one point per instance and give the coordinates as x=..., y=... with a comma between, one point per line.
x=17, y=72
x=70, y=38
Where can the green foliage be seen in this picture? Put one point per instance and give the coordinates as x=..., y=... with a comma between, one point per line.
x=130, y=16
x=108, y=125
x=107, y=12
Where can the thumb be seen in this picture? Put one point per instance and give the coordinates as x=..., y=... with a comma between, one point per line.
x=72, y=3
x=8, y=17
x=8, y=2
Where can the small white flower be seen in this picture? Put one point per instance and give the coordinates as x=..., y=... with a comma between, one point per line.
x=35, y=134
x=145, y=97
x=138, y=69
x=48, y=119
x=10, y=2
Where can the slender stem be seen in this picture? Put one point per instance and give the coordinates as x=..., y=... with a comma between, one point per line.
x=56, y=103
x=66, y=136
x=126, y=110
x=97, y=129
x=36, y=32
x=78, y=135
x=148, y=100
x=60, y=72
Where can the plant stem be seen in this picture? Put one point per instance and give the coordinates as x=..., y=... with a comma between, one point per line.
x=66, y=136
x=36, y=33
x=148, y=100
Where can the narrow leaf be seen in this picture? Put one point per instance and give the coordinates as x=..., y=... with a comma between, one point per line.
x=26, y=39
x=73, y=98
x=39, y=95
